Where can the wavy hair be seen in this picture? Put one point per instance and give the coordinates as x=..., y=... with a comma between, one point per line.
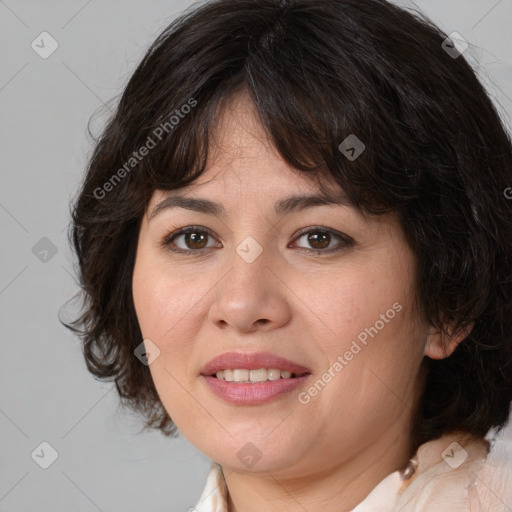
x=317, y=71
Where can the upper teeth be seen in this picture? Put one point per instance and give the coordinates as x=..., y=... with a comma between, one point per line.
x=259, y=375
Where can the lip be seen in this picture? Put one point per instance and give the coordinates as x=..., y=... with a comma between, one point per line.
x=252, y=361
x=240, y=393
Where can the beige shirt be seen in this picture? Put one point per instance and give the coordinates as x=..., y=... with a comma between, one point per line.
x=451, y=474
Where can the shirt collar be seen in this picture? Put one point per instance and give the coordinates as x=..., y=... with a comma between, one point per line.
x=432, y=457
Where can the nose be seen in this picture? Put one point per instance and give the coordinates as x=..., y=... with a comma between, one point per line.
x=252, y=295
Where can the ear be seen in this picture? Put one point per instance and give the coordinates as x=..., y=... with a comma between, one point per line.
x=441, y=345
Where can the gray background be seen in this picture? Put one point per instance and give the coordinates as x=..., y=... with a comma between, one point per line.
x=46, y=392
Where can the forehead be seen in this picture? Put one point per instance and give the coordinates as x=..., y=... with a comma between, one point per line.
x=237, y=130
x=241, y=157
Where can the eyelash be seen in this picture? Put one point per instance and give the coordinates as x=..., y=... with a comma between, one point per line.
x=168, y=241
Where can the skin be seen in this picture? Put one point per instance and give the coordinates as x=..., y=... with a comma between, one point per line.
x=296, y=302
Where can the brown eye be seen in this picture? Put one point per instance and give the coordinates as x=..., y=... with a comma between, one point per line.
x=319, y=239
x=188, y=240
x=195, y=239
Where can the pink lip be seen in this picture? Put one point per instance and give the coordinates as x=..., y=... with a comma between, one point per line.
x=251, y=361
x=259, y=392
x=253, y=394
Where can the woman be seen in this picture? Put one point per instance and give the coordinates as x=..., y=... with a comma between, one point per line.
x=294, y=245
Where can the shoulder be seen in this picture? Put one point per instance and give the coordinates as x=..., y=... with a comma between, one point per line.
x=460, y=473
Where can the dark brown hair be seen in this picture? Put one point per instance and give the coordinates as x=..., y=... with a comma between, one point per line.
x=436, y=153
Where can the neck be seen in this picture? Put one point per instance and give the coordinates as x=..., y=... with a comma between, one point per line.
x=336, y=489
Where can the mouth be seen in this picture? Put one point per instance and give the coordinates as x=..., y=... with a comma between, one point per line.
x=246, y=376
x=243, y=378
x=252, y=367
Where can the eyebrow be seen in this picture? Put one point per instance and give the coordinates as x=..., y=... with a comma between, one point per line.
x=284, y=206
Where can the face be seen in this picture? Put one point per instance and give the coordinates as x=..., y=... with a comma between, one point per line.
x=322, y=286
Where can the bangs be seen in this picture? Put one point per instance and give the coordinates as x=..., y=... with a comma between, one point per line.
x=318, y=104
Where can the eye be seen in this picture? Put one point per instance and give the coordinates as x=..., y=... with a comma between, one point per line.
x=320, y=239
x=194, y=240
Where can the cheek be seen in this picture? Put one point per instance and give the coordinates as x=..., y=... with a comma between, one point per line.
x=374, y=341
x=167, y=307
x=375, y=384
x=163, y=300
x=161, y=318
x=361, y=303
